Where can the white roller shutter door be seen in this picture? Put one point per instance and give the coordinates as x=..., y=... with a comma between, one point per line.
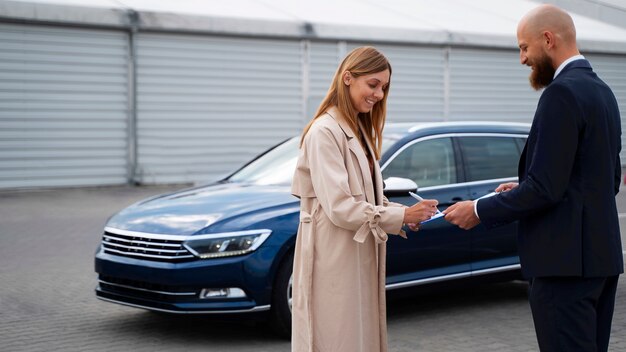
x=206, y=104
x=63, y=106
x=490, y=85
x=324, y=58
x=417, y=82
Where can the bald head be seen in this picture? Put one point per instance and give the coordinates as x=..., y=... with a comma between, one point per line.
x=546, y=37
x=552, y=19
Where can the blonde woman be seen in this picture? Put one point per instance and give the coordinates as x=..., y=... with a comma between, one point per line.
x=339, y=262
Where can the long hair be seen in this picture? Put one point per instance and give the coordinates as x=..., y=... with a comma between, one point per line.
x=361, y=61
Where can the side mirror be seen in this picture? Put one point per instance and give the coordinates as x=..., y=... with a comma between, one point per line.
x=398, y=186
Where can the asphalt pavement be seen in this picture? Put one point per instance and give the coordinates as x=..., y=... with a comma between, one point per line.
x=47, y=243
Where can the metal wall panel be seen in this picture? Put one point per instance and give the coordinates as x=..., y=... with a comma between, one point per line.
x=417, y=83
x=208, y=104
x=490, y=85
x=63, y=106
x=612, y=70
x=324, y=58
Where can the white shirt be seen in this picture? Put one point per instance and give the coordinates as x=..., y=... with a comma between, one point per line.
x=556, y=73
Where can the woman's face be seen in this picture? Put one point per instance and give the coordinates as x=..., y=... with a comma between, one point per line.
x=367, y=90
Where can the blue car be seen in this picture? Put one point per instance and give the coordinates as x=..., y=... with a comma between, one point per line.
x=227, y=247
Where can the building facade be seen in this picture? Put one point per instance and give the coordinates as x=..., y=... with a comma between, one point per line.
x=106, y=96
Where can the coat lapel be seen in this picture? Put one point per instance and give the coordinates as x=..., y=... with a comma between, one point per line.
x=357, y=150
x=376, y=184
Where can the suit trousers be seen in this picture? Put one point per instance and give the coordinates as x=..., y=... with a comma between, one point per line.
x=573, y=313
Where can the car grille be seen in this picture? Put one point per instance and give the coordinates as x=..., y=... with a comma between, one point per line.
x=146, y=290
x=145, y=246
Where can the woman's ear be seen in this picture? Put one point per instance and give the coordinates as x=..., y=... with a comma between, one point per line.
x=347, y=78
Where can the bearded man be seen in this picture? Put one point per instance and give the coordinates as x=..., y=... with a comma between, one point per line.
x=569, y=173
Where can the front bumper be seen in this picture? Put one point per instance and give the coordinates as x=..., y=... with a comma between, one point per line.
x=176, y=287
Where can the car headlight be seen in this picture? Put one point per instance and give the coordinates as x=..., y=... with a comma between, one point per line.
x=226, y=244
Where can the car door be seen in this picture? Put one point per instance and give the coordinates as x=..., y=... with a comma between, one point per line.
x=490, y=160
x=438, y=248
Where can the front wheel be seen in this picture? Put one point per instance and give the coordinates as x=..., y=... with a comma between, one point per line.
x=281, y=298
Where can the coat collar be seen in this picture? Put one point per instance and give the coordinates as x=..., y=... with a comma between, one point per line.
x=582, y=63
x=338, y=116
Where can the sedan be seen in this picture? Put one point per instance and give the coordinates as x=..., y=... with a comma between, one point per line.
x=227, y=247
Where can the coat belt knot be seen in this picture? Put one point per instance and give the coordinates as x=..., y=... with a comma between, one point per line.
x=371, y=227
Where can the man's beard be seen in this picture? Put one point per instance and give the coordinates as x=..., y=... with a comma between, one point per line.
x=542, y=73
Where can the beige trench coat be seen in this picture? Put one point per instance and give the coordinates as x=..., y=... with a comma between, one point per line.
x=339, y=263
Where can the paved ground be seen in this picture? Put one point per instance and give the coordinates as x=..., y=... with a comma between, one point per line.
x=47, y=302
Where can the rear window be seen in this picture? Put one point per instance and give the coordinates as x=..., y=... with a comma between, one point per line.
x=489, y=158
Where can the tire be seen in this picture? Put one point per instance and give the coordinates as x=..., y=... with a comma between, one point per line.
x=280, y=314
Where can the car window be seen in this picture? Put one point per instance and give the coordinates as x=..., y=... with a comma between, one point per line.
x=273, y=168
x=428, y=163
x=489, y=157
x=521, y=142
x=277, y=166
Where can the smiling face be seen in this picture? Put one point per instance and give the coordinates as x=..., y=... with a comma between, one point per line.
x=367, y=90
x=534, y=46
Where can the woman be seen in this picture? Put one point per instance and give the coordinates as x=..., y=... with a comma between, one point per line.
x=339, y=262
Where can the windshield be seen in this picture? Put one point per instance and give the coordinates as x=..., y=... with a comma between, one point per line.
x=277, y=166
x=273, y=168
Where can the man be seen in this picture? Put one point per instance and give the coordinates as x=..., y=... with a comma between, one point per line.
x=569, y=172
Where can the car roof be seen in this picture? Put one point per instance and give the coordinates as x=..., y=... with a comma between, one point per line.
x=403, y=129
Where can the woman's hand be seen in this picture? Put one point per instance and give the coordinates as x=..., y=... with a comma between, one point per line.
x=419, y=212
x=413, y=227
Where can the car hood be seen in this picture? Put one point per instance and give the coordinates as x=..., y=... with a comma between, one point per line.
x=202, y=209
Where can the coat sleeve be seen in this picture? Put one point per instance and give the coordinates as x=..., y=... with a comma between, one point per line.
x=387, y=203
x=557, y=128
x=330, y=180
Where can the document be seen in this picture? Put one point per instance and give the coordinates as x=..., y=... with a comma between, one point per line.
x=434, y=217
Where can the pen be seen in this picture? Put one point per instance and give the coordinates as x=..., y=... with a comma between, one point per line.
x=488, y=195
x=416, y=196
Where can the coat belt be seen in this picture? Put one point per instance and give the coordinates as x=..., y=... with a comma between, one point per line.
x=371, y=227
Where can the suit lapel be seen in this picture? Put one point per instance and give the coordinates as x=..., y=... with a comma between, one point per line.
x=521, y=166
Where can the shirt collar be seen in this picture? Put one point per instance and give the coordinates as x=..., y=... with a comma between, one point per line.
x=573, y=58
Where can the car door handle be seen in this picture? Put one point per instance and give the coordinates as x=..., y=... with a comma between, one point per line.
x=457, y=199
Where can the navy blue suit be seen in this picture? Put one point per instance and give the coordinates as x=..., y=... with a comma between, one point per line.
x=569, y=174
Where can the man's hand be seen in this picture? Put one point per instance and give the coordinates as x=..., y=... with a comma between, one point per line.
x=505, y=187
x=462, y=215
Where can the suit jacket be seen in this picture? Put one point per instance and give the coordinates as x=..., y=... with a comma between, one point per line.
x=569, y=175
x=339, y=259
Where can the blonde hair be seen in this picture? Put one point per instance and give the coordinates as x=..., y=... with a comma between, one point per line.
x=361, y=61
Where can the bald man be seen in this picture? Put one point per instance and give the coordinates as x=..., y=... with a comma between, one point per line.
x=569, y=173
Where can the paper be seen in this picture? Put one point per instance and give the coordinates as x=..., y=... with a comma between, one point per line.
x=434, y=217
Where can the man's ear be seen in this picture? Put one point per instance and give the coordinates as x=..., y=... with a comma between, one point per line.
x=347, y=78
x=548, y=39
